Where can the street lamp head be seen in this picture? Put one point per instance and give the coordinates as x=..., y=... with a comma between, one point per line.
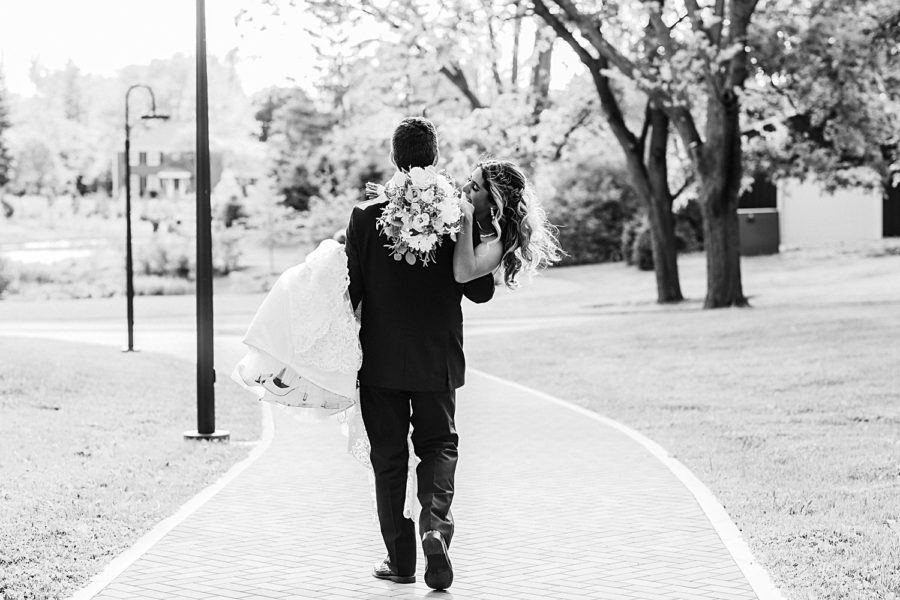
x=159, y=116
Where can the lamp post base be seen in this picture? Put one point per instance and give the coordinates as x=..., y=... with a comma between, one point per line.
x=127, y=349
x=216, y=436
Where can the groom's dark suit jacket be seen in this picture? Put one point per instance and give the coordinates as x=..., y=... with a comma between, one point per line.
x=411, y=330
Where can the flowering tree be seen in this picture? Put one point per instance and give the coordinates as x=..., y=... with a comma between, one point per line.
x=691, y=62
x=827, y=81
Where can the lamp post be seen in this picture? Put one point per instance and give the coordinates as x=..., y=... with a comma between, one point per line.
x=129, y=268
x=206, y=374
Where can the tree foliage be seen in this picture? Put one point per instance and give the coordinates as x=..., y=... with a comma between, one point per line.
x=5, y=124
x=827, y=89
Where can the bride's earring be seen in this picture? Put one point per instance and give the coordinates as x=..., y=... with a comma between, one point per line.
x=493, y=213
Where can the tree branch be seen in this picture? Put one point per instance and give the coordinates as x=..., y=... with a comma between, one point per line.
x=693, y=11
x=678, y=20
x=582, y=117
x=715, y=32
x=687, y=183
x=645, y=128
x=456, y=76
x=687, y=130
x=591, y=32
x=495, y=70
x=595, y=66
x=741, y=11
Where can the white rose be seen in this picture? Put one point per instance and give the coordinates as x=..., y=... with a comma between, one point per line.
x=398, y=179
x=428, y=196
x=422, y=178
x=421, y=221
x=450, y=210
x=444, y=185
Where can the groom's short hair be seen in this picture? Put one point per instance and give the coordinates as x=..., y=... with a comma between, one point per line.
x=414, y=143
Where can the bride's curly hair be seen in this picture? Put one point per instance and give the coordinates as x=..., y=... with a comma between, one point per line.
x=528, y=238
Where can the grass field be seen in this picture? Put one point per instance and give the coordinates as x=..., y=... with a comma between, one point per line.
x=92, y=456
x=789, y=412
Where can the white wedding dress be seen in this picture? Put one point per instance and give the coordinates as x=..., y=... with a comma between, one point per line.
x=304, y=352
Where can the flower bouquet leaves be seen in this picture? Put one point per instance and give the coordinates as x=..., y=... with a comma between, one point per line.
x=423, y=207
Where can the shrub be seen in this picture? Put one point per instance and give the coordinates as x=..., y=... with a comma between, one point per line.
x=637, y=245
x=590, y=203
x=7, y=276
x=689, y=227
x=172, y=254
x=153, y=285
x=167, y=254
x=226, y=250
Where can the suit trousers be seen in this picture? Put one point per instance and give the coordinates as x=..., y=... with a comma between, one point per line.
x=386, y=414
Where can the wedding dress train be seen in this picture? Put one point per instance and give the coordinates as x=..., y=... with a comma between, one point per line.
x=304, y=352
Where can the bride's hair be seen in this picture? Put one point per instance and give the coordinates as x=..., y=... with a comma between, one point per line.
x=528, y=238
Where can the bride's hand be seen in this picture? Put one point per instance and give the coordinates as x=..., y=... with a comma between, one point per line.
x=468, y=210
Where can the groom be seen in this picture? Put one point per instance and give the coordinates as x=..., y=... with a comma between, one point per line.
x=412, y=343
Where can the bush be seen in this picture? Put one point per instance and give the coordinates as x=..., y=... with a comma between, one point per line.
x=7, y=276
x=226, y=251
x=172, y=254
x=590, y=204
x=637, y=245
x=167, y=254
x=689, y=227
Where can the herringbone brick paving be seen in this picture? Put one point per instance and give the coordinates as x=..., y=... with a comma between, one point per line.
x=549, y=505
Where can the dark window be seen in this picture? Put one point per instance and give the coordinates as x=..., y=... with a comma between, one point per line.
x=763, y=194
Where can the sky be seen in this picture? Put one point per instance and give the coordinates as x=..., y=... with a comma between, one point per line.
x=101, y=36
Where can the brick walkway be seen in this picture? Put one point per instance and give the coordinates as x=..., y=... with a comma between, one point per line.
x=550, y=504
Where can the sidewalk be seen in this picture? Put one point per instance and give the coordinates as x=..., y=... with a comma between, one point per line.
x=550, y=503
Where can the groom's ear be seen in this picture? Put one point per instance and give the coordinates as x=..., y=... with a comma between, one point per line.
x=393, y=162
x=437, y=158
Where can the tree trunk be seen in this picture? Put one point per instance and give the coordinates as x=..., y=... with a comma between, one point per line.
x=647, y=182
x=720, y=185
x=722, y=243
x=540, y=76
x=517, y=32
x=662, y=223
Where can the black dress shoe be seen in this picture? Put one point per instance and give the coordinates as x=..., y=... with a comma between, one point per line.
x=439, y=572
x=386, y=571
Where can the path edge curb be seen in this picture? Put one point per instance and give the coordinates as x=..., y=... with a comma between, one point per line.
x=128, y=557
x=731, y=537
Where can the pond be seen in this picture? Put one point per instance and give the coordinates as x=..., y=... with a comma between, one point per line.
x=47, y=252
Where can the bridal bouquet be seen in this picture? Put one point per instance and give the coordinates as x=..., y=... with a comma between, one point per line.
x=423, y=206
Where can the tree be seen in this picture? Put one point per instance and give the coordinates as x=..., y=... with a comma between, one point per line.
x=646, y=162
x=691, y=61
x=828, y=78
x=295, y=129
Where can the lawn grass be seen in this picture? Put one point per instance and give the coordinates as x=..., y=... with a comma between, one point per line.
x=789, y=411
x=92, y=456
